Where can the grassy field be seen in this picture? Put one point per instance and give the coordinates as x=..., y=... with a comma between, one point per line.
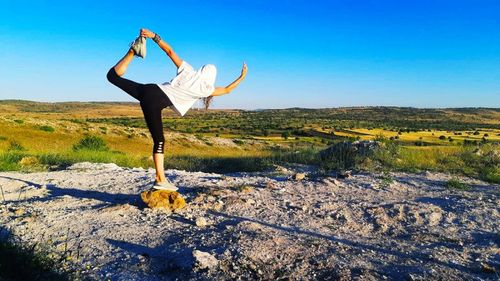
x=36, y=136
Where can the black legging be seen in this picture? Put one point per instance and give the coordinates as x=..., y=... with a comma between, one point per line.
x=152, y=100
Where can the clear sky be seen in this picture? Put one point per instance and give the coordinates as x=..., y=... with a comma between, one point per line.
x=425, y=53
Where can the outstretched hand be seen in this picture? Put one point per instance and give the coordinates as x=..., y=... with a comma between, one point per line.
x=147, y=33
x=244, y=70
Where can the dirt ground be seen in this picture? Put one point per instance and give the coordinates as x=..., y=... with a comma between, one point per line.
x=264, y=226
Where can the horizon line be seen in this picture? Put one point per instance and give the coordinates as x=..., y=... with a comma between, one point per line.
x=257, y=109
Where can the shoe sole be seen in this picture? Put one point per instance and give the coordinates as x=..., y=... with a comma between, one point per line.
x=138, y=52
x=165, y=188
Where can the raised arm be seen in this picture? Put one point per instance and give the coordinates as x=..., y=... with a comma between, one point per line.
x=164, y=46
x=219, y=91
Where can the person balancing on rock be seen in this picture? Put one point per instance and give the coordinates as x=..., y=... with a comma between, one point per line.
x=188, y=86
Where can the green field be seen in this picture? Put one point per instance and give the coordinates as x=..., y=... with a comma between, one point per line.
x=36, y=136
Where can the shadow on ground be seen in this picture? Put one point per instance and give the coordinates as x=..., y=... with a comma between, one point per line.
x=55, y=192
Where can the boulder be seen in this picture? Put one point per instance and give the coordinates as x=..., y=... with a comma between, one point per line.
x=170, y=200
x=204, y=260
x=343, y=155
x=246, y=189
x=218, y=206
x=201, y=222
x=331, y=181
x=344, y=174
x=435, y=218
x=281, y=169
x=361, y=148
x=271, y=185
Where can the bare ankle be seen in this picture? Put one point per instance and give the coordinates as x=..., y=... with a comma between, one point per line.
x=118, y=72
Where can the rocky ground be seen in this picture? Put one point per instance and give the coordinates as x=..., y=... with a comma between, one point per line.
x=257, y=226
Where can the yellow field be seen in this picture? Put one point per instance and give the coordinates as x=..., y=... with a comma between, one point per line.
x=424, y=136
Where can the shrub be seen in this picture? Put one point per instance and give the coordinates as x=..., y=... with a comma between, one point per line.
x=467, y=142
x=491, y=174
x=55, y=159
x=9, y=161
x=20, y=261
x=28, y=161
x=455, y=183
x=77, y=121
x=238, y=142
x=385, y=179
x=94, y=143
x=218, y=164
x=46, y=128
x=442, y=137
x=15, y=146
x=19, y=121
x=62, y=160
x=387, y=155
x=308, y=156
x=2, y=138
x=285, y=135
x=380, y=138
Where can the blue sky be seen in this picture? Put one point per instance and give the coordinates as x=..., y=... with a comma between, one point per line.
x=426, y=53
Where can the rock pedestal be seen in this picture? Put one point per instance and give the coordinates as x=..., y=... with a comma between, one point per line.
x=299, y=176
x=170, y=200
